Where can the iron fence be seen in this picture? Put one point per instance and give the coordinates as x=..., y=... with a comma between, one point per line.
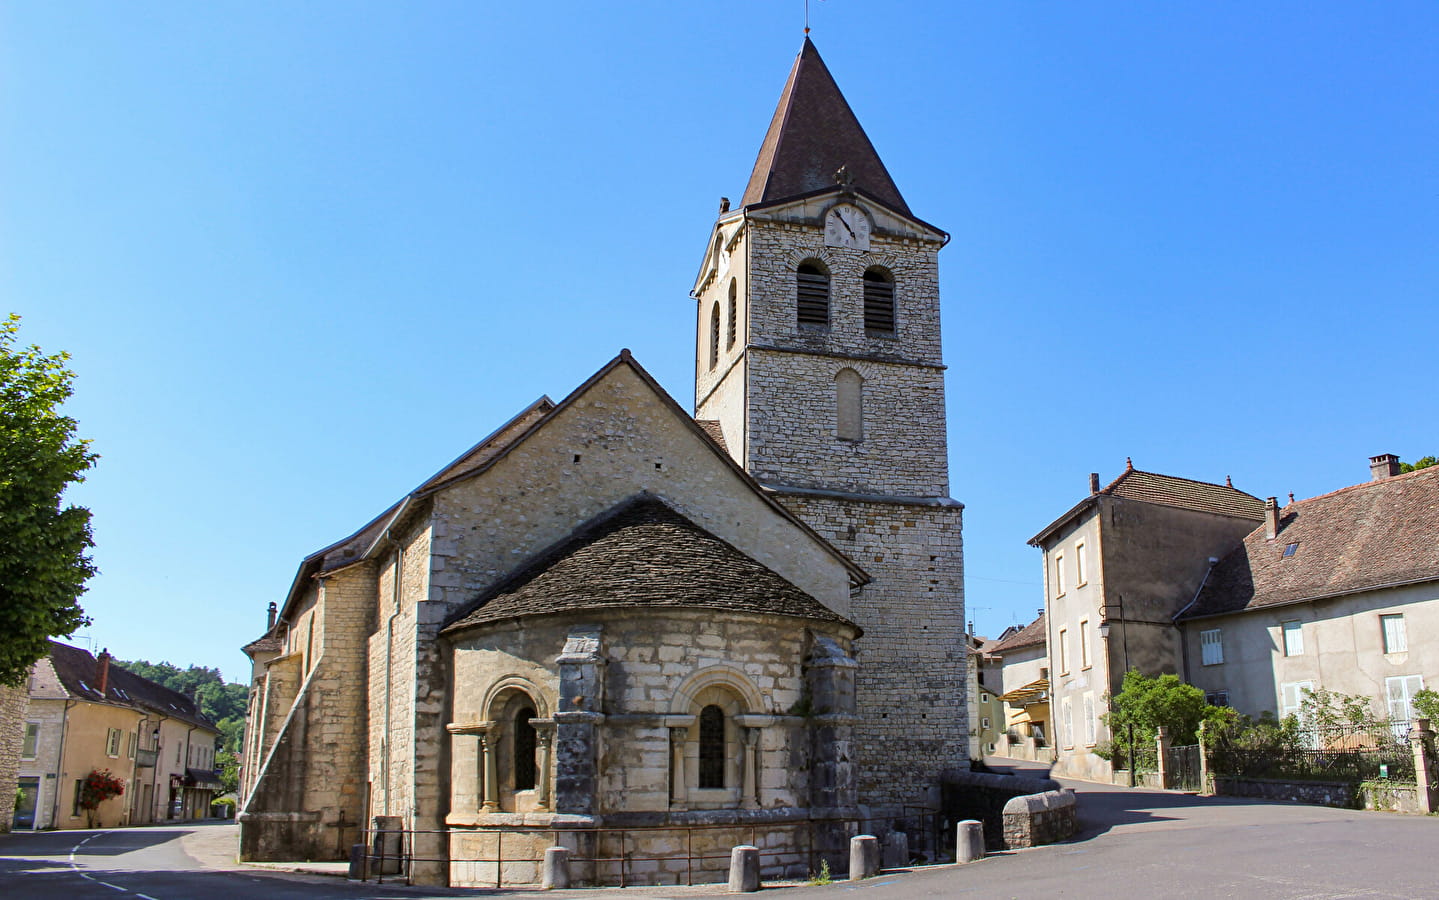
x=1339, y=753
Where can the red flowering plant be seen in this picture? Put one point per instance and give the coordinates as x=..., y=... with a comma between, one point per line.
x=96, y=788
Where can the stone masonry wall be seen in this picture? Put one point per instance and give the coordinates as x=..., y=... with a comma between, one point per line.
x=912, y=717
x=13, y=703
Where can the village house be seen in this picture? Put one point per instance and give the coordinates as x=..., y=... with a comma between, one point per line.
x=613, y=612
x=1021, y=658
x=87, y=715
x=1338, y=592
x=1118, y=566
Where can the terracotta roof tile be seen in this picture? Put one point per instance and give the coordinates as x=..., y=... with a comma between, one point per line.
x=643, y=554
x=1358, y=538
x=1028, y=636
x=79, y=673
x=1200, y=496
x=712, y=428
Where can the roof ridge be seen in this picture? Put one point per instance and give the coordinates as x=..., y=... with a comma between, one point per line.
x=1427, y=470
x=1128, y=472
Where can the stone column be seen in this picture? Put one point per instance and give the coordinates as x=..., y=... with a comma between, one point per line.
x=478, y=730
x=490, y=771
x=1204, y=758
x=679, y=735
x=1422, y=740
x=544, y=735
x=747, y=799
x=829, y=675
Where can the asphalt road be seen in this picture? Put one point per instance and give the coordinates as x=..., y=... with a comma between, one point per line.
x=1135, y=844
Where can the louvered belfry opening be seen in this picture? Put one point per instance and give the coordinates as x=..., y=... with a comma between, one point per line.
x=714, y=335
x=733, y=313
x=812, y=290
x=878, y=302
x=711, y=773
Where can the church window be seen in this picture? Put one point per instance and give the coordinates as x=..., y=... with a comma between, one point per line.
x=812, y=294
x=878, y=302
x=712, y=743
x=849, y=403
x=733, y=317
x=714, y=335
x=524, y=750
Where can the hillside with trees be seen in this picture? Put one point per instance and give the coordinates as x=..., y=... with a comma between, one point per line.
x=224, y=703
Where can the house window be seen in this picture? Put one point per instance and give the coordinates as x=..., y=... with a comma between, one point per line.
x=130, y=746
x=1211, y=647
x=112, y=742
x=75, y=804
x=1090, y=723
x=1291, y=549
x=1084, y=643
x=711, y=774
x=524, y=750
x=812, y=295
x=1067, y=738
x=849, y=405
x=714, y=336
x=1059, y=575
x=32, y=740
x=1217, y=698
x=983, y=698
x=733, y=314
x=878, y=302
x=1063, y=651
x=1293, y=639
x=1081, y=565
x=1395, y=638
x=1291, y=697
x=984, y=722
x=1399, y=690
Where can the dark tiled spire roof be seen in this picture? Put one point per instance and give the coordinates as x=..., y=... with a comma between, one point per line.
x=814, y=133
x=643, y=554
x=1363, y=537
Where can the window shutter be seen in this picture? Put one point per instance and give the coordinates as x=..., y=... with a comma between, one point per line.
x=812, y=289
x=878, y=303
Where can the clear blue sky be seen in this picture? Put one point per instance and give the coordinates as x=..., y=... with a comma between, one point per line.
x=305, y=253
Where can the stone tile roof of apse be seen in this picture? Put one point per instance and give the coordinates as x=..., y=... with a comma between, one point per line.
x=79, y=673
x=1367, y=536
x=642, y=554
x=1028, y=636
x=814, y=133
x=712, y=428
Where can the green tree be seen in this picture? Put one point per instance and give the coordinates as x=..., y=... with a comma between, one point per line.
x=225, y=704
x=1147, y=703
x=1423, y=463
x=43, y=541
x=229, y=765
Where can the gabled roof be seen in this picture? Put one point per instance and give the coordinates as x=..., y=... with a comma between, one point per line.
x=1166, y=490
x=1030, y=635
x=642, y=554
x=1378, y=534
x=814, y=133
x=79, y=675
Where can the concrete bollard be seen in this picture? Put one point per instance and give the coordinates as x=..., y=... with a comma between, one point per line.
x=863, y=856
x=896, y=850
x=969, y=845
x=557, y=868
x=357, y=862
x=744, y=869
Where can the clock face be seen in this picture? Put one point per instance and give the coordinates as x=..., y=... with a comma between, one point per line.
x=846, y=225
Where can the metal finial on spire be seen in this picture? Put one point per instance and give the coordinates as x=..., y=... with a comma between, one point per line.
x=1228, y=482
x=1128, y=463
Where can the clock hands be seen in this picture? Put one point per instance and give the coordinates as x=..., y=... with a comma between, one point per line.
x=840, y=216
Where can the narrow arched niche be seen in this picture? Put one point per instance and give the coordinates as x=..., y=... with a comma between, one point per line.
x=849, y=405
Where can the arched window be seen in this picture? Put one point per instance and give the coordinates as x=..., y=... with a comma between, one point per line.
x=733, y=310
x=714, y=335
x=812, y=294
x=878, y=302
x=711, y=774
x=849, y=405
x=524, y=750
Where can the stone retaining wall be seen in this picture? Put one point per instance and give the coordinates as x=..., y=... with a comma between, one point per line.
x=1016, y=811
x=1035, y=819
x=1340, y=794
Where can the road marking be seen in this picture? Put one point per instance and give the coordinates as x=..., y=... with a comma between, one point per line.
x=114, y=886
x=144, y=896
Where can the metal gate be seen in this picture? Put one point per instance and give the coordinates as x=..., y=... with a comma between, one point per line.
x=1181, y=768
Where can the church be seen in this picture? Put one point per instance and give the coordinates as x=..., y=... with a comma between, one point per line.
x=616, y=620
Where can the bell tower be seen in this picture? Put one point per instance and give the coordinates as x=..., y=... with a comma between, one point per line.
x=818, y=352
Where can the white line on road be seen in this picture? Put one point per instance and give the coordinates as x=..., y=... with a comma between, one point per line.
x=144, y=896
x=114, y=886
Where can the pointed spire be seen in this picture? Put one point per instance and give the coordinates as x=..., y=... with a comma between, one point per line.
x=812, y=136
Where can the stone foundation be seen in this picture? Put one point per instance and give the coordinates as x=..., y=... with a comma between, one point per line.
x=1340, y=794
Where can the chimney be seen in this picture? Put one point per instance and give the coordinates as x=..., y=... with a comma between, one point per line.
x=1040, y=613
x=271, y=623
x=1271, y=518
x=1094, y=482
x=1385, y=465
x=102, y=671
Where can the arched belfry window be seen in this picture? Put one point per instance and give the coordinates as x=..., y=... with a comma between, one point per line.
x=524, y=750
x=712, y=744
x=812, y=294
x=849, y=405
x=878, y=302
x=714, y=335
x=733, y=314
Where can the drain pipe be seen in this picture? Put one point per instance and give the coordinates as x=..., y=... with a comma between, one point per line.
x=389, y=657
x=1184, y=632
x=59, y=765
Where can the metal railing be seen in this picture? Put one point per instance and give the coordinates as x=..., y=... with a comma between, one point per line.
x=610, y=853
x=1339, y=753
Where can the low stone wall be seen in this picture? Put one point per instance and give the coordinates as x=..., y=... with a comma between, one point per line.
x=1016, y=811
x=1390, y=797
x=1340, y=794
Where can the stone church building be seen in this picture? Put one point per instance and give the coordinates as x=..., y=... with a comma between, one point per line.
x=614, y=613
